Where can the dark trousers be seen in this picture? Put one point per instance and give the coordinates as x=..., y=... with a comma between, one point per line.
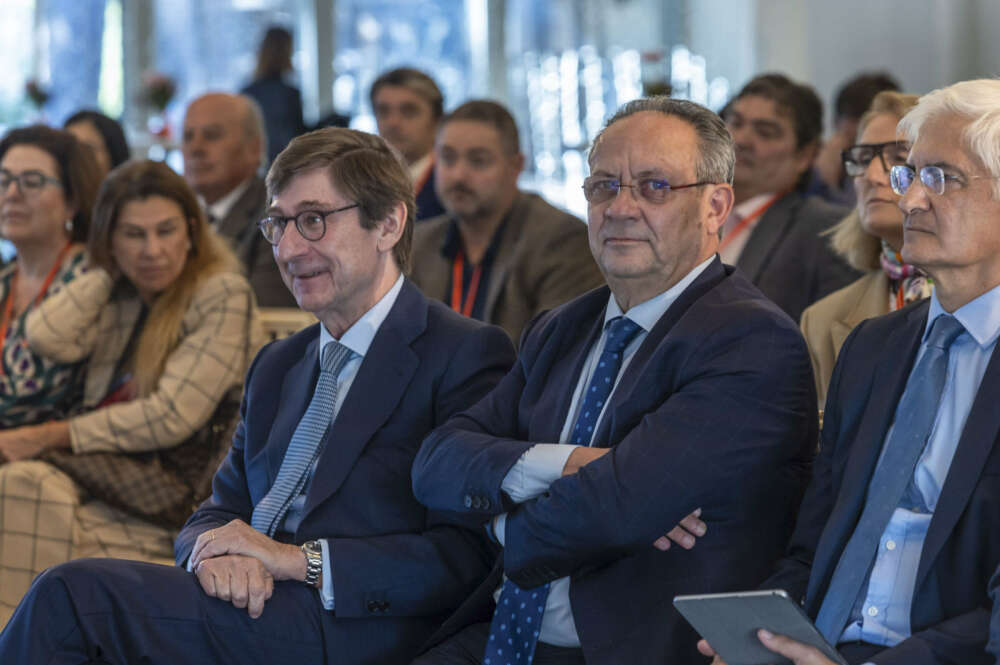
x=113, y=611
x=467, y=648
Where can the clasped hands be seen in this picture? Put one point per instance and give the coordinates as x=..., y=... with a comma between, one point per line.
x=238, y=564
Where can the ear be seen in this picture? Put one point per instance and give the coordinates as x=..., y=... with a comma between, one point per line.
x=390, y=229
x=806, y=155
x=517, y=163
x=720, y=204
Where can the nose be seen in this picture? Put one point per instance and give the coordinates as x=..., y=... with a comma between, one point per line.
x=153, y=246
x=291, y=244
x=876, y=171
x=625, y=204
x=915, y=199
x=16, y=184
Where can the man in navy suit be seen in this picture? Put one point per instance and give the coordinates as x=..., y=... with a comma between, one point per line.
x=681, y=387
x=919, y=592
x=312, y=547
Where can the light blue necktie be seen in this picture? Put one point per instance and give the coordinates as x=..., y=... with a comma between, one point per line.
x=304, y=447
x=518, y=617
x=914, y=420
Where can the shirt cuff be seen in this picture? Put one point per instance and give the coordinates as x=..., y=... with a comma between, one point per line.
x=500, y=528
x=539, y=466
x=326, y=589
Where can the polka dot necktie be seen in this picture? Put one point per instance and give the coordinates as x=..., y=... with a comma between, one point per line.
x=518, y=617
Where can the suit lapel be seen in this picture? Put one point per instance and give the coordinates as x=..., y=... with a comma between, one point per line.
x=511, y=234
x=383, y=377
x=296, y=393
x=635, y=376
x=433, y=270
x=975, y=445
x=767, y=235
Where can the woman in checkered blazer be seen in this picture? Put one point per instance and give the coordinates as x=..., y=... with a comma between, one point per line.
x=166, y=324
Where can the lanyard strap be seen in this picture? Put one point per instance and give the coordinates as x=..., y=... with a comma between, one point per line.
x=457, y=272
x=750, y=219
x=8, y=308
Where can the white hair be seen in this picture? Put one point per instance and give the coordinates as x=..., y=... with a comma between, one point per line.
x=979, y=101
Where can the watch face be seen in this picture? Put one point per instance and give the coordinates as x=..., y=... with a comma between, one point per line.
x=313, y=546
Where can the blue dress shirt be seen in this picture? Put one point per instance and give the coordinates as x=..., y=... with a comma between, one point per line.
x=884, y=616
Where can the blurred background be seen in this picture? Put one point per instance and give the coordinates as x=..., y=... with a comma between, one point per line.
x=560, y=65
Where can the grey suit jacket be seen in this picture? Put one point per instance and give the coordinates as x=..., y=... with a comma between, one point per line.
x=543, y=261
x=239, y=226
x=788, y=260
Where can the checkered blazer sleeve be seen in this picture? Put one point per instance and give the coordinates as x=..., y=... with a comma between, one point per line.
x=64, y=327
x=219, y=333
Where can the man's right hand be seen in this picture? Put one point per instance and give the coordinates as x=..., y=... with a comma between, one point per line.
x=237, y=579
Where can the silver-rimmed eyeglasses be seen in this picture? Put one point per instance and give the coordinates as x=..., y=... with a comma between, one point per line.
x=311, y=224
x=30, y=183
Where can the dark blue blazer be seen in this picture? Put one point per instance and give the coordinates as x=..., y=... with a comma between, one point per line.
x=950, y=612
x=716, y=410
x=281, y=105
x=398, y=569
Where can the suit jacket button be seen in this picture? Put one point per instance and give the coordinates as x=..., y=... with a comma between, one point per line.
x=477, y=503
x=385, y=605
x=372, y=606
x=486, y=503
x=468, y=501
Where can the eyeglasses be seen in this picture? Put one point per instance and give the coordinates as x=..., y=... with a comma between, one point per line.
x=30, y=183
x=933, y=177
x=857, y=158
x=653, y=190
x=311, y=224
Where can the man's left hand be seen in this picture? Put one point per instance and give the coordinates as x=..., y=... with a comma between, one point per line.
x=282, y=561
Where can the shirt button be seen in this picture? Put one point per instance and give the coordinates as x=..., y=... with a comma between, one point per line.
x=890, y=545
x=872, y=611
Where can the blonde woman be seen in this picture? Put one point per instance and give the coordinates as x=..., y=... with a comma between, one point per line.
x=166, y=324
x=869, y=239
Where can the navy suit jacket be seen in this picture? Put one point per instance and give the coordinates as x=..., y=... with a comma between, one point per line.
x=950, y=611
x=398, y=569
x=716, y=410
x=428, y=203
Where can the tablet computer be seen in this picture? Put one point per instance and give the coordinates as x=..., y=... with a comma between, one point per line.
x=729, y=621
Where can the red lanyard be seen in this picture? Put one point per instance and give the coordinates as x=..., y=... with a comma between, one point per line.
x=749, y=219
x=8, y=308
x=457, y=272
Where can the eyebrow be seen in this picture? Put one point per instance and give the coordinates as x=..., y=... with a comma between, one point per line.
x=944, y=166
x=160, y=222
x=309, y=204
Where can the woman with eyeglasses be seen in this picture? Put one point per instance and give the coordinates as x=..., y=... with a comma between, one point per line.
x=166, y=324
x=869, y=239
x=48, y=183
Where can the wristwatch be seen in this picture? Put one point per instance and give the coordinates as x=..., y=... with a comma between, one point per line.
x=314, y=562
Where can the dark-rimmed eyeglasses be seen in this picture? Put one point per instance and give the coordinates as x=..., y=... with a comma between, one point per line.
x=30, y=183
x=311, y=224
x=653, y=190
x=857, y=158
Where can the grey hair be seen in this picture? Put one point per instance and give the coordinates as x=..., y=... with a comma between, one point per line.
x=979, y=101
x=716, y=157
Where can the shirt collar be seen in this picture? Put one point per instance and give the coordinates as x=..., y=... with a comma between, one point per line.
x=751, y=204
x=646, y=314
x=360, y=335
x=419, y=167
x=980, y=316
x=221, y=208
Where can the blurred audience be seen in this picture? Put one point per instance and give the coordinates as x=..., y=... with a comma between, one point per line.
x=869, y=239
x=498, y=255
x=223, y=146
x=279, y=101
x=829, y=178
x=166, y=325
x=773, y=231
x=48, y=183
x=408, y=105
x=104, y=136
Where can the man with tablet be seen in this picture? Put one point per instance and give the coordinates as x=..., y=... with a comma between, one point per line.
x=898, y=536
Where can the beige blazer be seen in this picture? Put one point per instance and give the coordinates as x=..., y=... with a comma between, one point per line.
x=543, y=261
x=828, y=322
x=89, y=320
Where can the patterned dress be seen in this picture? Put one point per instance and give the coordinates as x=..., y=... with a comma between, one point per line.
x=35, y=389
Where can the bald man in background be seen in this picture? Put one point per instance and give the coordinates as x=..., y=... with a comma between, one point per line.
x=223, y=145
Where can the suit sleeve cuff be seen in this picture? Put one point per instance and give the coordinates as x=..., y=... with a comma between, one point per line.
x=539, y=466
x=326, y=589
x=500, y=528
